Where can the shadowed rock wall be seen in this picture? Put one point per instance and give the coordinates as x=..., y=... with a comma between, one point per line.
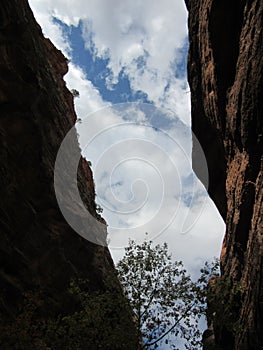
x=225, y=75
x=38, y=249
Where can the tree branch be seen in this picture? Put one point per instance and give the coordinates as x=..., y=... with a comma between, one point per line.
x=170, y=329
x=149, y=303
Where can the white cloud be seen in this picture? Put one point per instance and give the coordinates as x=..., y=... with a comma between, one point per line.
x=43, y=13
x=129, y=33
x=144, y=183
x=144, y=39
x=89, y=100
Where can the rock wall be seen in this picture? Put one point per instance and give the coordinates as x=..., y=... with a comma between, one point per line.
x=225, y=69
x=38, y=249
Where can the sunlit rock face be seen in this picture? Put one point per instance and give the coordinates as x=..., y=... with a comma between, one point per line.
x=39, y=250
x=225, y=74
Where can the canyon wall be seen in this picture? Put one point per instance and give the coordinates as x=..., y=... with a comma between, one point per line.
x=225, y=75
x=39, y=252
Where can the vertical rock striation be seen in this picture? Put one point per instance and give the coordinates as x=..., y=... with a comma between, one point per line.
x=38, y=249
x=225, y=69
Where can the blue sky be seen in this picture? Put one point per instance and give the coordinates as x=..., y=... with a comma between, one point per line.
x=96, y=69
x=128, y=62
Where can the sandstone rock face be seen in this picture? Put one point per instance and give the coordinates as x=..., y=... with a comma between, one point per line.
x=225, y=69
x=38, y=248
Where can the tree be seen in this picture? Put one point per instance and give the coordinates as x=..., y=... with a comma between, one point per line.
x=166, y=303
x=100, y=320
x=75, y=93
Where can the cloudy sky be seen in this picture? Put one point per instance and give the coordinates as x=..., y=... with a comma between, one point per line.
x=128, y=62
x=133, y=53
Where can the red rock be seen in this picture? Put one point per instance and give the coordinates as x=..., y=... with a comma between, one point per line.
x=225, y=74
x=39, y=250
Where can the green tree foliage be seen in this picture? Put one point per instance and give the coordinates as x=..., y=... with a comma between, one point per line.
x=101, y=320
x=166, y=306
x=166, y=302
x=23, y=332
x=75, y=93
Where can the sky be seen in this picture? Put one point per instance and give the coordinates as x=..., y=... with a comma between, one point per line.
x=128, y=60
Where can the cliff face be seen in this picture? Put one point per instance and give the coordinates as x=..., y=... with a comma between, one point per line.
x=225, y=69
x=38, y=249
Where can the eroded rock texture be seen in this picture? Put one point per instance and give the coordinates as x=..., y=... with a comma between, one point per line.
x=39, y=250
x=225, y=75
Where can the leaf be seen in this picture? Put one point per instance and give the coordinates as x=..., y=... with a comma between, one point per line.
x=162, y=294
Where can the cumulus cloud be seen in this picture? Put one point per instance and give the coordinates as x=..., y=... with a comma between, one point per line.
x=146, y=41
x=142, y=39
x=144, y=179
x=89, y=99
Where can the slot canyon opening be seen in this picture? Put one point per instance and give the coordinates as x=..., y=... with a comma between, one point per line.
x=128, y=73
